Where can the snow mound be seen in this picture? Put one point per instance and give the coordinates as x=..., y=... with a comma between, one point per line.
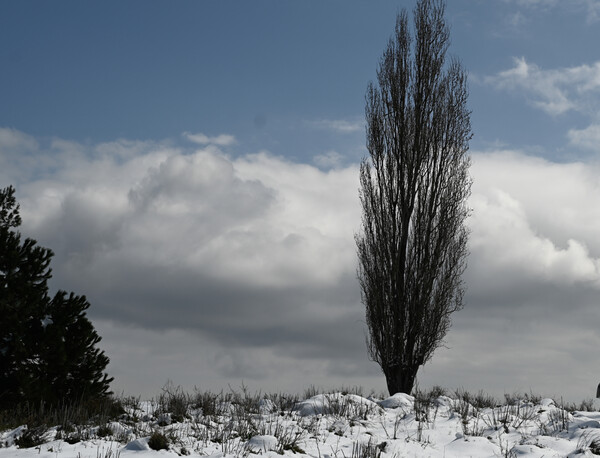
x=326, y=404
x=547, y=402
x=138, y=445
x=262, y=444
x=443, y=401
x=399, y=400
x=11, y=436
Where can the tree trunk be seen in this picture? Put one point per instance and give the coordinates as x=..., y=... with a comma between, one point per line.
x=400, y=379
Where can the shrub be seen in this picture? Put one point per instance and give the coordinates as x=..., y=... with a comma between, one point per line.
x=97, y=411
x=31, y=438
x=175, y=401
x=104, y=431
x=158, y=441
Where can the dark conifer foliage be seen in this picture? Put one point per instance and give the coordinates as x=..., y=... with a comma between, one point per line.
x=414, y=185
x=71, y=364
x=47, y=346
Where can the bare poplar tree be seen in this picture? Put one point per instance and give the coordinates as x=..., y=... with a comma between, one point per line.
x=413, y=245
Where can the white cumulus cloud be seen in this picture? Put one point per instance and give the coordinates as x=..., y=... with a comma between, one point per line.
x=202, y=139
x=536, y=219
x=555, y=91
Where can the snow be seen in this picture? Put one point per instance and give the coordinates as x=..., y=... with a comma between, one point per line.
x=260, y=444
x=332, y=403
x=47, y=321
x=399, y=400
x=9, y=437
x=338, y=425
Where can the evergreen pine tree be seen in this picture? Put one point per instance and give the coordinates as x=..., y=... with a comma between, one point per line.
x=24, y=271
x=72, y=365
x=47, y=346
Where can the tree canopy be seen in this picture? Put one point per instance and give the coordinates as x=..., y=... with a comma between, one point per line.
x=47, y=344
x=414, y=184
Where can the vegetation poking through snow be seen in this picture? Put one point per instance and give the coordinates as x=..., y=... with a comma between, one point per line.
x=341, y=424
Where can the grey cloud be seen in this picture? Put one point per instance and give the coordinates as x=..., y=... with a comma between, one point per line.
x=530, y=318
x=204, y=270
x=545, y=344
x=300, y=322
x=14, y=141
x=192, y=242
x=86, y=227
x=203, y=187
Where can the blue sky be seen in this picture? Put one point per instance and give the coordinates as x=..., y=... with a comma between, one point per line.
x=194, y=166
x=263, y=71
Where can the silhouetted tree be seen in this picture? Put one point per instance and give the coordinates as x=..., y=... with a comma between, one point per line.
x=47, y=346
x=413, y=245
x=24, y=271
x=71, y=365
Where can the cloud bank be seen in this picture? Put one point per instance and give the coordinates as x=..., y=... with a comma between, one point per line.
x=253, y=253
x=208, y=269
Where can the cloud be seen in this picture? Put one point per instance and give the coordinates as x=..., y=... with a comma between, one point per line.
x=206, y=270
x=18, y=155
x=338, y=125
x=554, y=91
x=591, y=8
x=537, y=3
x=588, y=138
x=252, y=254
x=502, y=231
x=14, y=140
x=517, y=20
x=201, y=139
x=532, y=280
x=330, y=159
x=534, y=220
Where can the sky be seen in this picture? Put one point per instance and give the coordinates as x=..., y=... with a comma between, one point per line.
x=194, y=168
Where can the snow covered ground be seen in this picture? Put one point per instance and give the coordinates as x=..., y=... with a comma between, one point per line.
x=330, y=426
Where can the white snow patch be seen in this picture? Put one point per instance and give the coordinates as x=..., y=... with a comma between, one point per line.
x=262, y=444
x=9, y=438
x=323, y=404
x=398, y=400
x=339, y=425
x=47, y=321
x=138, y=445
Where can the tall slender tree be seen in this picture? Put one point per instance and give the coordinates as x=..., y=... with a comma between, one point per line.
x=414, y=185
